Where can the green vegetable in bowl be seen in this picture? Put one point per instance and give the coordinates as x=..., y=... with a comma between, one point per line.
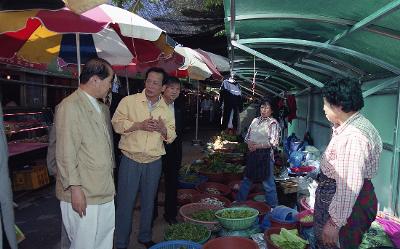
x=236, y=214
x=288, y=239
x=307, y=219
x=186, y=231
x=204, y=215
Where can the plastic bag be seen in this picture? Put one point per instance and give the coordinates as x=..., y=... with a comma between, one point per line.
x=392, y=229
x=375, y=237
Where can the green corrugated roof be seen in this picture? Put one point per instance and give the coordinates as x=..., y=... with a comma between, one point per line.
x=299, y=34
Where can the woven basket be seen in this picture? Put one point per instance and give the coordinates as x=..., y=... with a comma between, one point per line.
x=240, y=223
x=222, y=188
x=187, y=210
x=177, y=244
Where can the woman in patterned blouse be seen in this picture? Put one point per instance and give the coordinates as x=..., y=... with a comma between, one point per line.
x=345, y=203
x=262, y=136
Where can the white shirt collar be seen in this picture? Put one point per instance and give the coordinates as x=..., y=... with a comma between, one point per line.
x=94, y=102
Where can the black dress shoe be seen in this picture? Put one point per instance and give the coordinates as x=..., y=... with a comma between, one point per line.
x=170, y=220
x=147, y=244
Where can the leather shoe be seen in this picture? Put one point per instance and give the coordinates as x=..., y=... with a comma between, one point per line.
x=170, y=220
x=147, y=244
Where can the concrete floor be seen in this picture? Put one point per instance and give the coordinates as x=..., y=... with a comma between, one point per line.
x=38, y=213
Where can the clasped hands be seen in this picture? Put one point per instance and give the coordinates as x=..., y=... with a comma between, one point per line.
x=152, y=124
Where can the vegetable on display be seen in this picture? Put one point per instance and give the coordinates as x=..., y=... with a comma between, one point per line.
x=307, y=219
x=186, y=231
x=204, y=215
x=236, y=214
x=288, y=239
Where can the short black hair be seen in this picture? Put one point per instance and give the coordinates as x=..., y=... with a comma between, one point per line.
x=345, y=93
x=267, y=101
x=172, y=80
x=95, y=66
x=157, y=70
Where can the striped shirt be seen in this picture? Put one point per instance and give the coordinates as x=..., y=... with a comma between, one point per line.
x=351, y=156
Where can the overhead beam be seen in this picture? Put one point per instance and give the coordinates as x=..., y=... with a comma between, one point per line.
x=319, y=55
x=384, y=84
x=277, y=63
x=333, y=48
x=328, y=67
x=263, y=75
x=314, y=69
x=260, y=86
x=249, y=90
x=384, y=11
x=267, y=82
x=316, y=18
x=267, y=73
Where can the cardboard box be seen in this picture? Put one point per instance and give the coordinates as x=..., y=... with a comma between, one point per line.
x=31, y=178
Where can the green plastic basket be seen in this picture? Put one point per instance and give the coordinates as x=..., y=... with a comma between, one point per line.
x=240, y=223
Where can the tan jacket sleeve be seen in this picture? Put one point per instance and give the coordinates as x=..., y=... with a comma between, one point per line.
x=68, y=137
x=120, y=121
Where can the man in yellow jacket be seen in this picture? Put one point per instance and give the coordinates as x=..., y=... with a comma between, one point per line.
x=144, y=122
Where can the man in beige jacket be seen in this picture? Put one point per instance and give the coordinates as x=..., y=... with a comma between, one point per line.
x=85, y=160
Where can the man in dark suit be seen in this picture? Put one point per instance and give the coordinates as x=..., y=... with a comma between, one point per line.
x=172, y=160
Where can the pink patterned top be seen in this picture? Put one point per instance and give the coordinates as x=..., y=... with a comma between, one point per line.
x=351, y=156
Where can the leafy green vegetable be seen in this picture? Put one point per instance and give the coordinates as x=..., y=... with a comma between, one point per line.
x=204, y=215
x=186, y=231
x=288, y=239
x=236, y=214
x=307, y=218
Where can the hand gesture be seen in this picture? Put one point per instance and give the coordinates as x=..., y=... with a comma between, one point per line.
x=149, y=124
x=330, y=234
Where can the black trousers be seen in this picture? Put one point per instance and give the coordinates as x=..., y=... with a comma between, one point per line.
x=171, y=162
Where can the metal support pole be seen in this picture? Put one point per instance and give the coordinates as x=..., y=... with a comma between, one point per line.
x=395, y=161
x=127, y=80
x=196, y=141
x=78, y=56
x=232, y=34
x=308, y=110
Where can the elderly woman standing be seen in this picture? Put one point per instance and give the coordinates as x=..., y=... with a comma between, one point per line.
x=262, y=136
x=345, y=203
